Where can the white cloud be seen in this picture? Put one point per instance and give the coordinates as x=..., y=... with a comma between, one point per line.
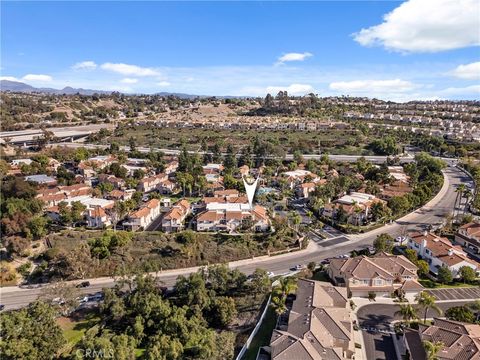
x=129, y=81
x=163, y=83
x=37, y=77
x=294, y=57
x=9, y=78
x=468, y=90
x=426, y=26
x=85, y=65
x=293, y=89
x=126, y=69
x=467, y=71
x=372, y=86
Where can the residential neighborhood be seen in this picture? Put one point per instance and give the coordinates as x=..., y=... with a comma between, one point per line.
x=240, y=180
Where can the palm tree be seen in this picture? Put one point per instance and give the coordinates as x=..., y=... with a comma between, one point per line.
x=432, y=349
x=286, y=285
x=427, y=301
x=279, y=305
x=407, y=312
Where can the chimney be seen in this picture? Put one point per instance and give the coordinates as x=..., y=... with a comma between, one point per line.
x=425, y=233
x=450, y=252
x=424, y=243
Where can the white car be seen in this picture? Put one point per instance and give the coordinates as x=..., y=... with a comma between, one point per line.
x=270, y=274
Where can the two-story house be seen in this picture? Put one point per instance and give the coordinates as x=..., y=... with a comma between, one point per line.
x=468, y=236
x=98, y=218
x=381, y=274
x=438, y=252
x=143, y=217
x=152, y=182
x=173, y=220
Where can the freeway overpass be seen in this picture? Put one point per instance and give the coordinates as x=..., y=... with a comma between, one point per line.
x=30, y=136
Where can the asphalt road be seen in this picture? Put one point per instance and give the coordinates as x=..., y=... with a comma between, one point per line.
x=431, y=213
x=345, y=158
x=379, y=346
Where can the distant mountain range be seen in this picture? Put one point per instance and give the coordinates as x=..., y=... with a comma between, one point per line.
x=16, y=86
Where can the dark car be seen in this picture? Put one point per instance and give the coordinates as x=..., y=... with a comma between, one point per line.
x=83, y=284
x=2, y=307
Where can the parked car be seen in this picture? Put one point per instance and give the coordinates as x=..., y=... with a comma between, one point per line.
x=83, y=284
x=96, y=297
x=2, y=307
x=270, y=274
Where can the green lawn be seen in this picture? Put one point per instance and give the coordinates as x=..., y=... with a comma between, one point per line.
x=430, y=284
x=263, y=335
x=74, y=330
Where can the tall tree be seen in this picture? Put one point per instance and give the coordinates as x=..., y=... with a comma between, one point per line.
x=407, y=312
x=432, y=349
x=427, y=302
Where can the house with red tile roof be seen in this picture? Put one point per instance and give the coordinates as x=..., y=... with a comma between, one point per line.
x=173, y=220
x=171, y=167
x=468, y=236
x=143, y=217
x=319, y=325
x=381, y=274
x=438, y=252
x=228, y=211
x=355, y=205
x=98, y=218
x=152, y=183
x=460, y=341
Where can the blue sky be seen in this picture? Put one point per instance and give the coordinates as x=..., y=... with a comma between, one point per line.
x=417, y=49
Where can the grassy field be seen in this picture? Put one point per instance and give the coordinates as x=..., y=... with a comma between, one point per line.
x=340, y=141
x=73, y=330
x=263, y=335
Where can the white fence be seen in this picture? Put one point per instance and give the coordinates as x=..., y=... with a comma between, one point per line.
x=255, y=330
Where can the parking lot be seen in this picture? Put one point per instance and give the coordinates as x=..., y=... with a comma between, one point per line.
x=456, y=293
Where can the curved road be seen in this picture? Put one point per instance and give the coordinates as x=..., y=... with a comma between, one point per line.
x=432, y=213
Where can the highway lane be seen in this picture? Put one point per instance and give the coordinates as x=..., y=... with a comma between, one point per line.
x=432, y=213
x=344, y=158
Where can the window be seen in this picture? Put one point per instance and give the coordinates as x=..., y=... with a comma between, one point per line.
x=378, y=282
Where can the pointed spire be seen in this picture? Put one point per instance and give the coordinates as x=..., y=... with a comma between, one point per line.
x=250, y=190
